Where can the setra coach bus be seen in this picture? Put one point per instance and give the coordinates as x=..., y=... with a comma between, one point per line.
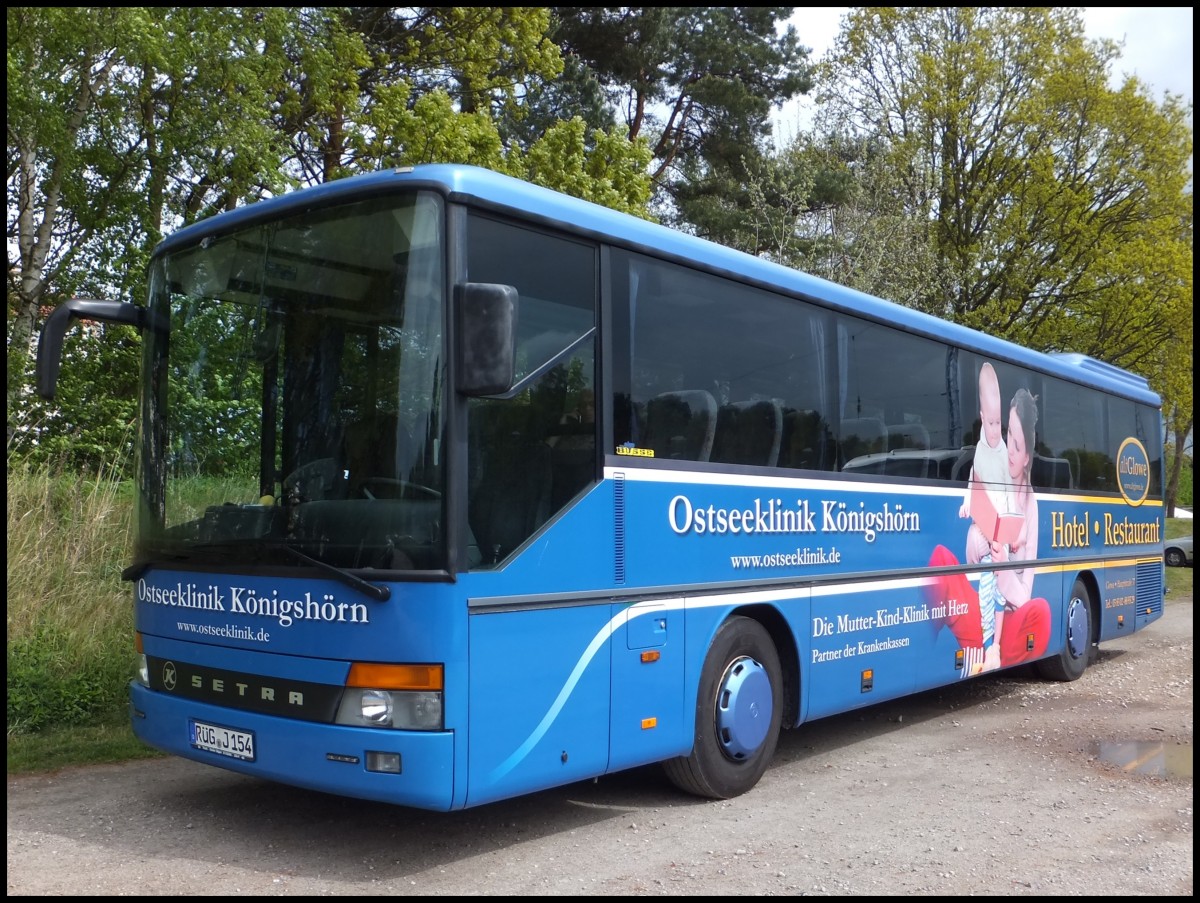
x=452, y=488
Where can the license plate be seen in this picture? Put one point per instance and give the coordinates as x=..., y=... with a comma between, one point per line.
x=224, y=741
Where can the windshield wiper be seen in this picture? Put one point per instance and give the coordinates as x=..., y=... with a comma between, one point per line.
x=377, y=591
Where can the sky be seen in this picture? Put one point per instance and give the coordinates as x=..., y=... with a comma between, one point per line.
x=1157, y=46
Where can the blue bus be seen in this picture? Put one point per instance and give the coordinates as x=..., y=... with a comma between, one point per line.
x=452, y=488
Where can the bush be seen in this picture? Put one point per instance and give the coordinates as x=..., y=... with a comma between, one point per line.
x=49, y=687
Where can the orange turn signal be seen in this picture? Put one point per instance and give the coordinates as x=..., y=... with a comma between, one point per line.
x=396, y=677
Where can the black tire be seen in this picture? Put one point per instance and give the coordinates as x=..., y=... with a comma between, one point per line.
x=1072, y=660
x=1174, y=558
x=735, y=738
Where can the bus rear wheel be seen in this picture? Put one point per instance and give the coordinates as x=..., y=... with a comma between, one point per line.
x=738, y=714
x=1072, y=659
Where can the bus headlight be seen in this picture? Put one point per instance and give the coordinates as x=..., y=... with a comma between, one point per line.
x=401, y=697
x=376, y=707
x=141, y=669
x=418, y=711
x=406, y=710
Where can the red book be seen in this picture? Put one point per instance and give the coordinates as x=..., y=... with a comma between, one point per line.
x=998, y=526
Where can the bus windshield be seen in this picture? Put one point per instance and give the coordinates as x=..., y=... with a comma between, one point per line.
x=293, y=397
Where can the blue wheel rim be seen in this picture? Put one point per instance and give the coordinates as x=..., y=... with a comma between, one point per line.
x=745, y=706
x=1077, y=628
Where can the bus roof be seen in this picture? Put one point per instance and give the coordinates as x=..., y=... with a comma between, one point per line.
x=488, y=189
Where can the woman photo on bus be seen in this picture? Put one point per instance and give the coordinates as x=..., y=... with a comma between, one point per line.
x=1008, y=626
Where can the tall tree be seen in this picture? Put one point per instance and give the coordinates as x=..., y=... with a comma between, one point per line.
x=123, y=122
x=837, y=210
x=1058, y=208
x=373, y=87
x=126, y=123
x=698, y=82
x=355, y=72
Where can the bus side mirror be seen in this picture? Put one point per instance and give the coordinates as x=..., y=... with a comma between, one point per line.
x=50, y=342
x=486, y=324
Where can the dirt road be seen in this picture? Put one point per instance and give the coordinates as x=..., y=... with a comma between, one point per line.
x=1001, y=785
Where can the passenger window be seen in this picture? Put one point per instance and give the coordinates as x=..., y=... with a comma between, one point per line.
x=709, y=370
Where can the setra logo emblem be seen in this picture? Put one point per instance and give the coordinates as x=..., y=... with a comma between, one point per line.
x=1133, y=471
x=169, y=676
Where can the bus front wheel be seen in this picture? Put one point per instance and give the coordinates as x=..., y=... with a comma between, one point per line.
x=738, y=713
x=1072, y=659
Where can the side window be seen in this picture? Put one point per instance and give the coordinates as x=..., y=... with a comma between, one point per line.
x=531, y=453
x=1071, y=452
x=1148, y=428
x=709, y=370
x=1128, y=420
x=896, y=403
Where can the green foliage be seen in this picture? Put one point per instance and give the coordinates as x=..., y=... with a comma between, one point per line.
x=375, y=87
x=1183, y=486
x=698, y=82
x=126, y=123
x=575, y=93
x=123, y=123
x=226, y=400
x=1048, y=208
x=970, y=162
x=400, y=87
x=52, y=683
x=91, y=422
x=836, y=208
x=612, y=171
x=70, y=646
x=482, y=56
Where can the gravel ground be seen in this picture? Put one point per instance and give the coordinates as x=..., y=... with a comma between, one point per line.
x=1001, y=786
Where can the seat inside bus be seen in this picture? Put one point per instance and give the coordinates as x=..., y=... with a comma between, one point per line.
x=807, y=442
x=862, y=436
x=749, y=432
x=681, y=425
x=1051, y=473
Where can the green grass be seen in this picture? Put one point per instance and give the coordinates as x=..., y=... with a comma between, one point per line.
x=1179, y=580
x=70, y=642
x=1178, y=526
x=1179, y=584
x=65, y=746
x=69, y=648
